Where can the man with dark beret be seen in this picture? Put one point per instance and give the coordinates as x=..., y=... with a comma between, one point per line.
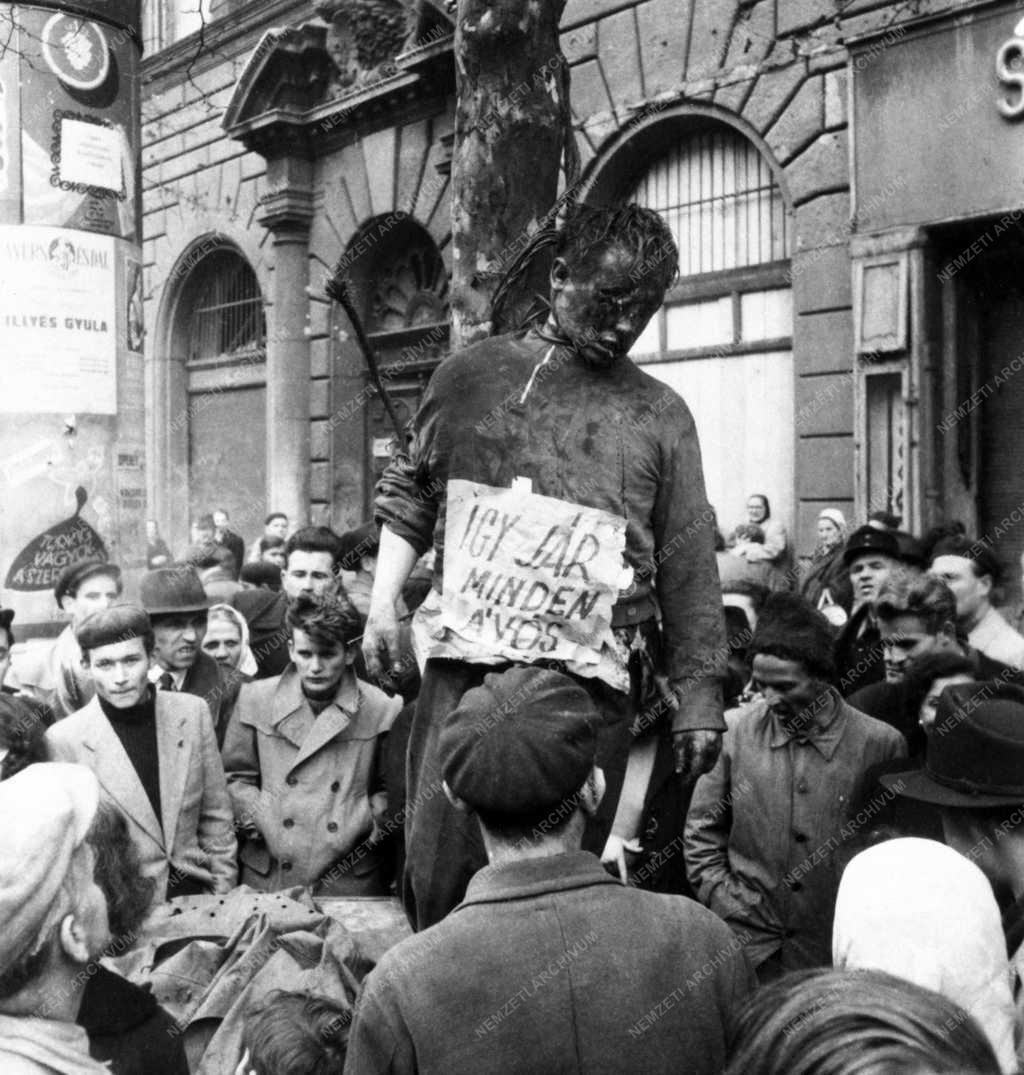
x=54, y=674
x=549, y=963
x=156, y=758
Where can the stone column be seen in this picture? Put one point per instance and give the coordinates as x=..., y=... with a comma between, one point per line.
x=287, y=211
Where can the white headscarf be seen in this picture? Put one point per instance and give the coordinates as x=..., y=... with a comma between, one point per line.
x=919, y=910
x=246, y=660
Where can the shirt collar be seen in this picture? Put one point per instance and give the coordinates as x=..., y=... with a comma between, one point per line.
x=824, y=735
x=178, y=675
x=536, y=876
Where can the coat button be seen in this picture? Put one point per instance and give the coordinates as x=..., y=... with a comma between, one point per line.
x=332, y=826
x=291, y=781
x=802, y=788
x=286, y=865
x=796, y=886
x=800, y=837
x=336, y=786
x=288, y=822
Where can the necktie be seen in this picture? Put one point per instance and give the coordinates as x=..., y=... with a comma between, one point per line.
x=166, y=682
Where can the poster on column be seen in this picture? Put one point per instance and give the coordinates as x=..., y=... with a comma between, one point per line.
x=530, y=577
x=58, y=334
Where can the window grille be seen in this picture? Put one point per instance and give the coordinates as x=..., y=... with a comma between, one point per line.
x=228, y=318
x=721, y=201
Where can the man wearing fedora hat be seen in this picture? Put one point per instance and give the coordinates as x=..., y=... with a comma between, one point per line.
x=177, y=607
x=974, y=774
x=53, y=674
x=156, y=759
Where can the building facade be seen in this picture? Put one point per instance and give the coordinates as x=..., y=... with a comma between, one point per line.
x=811, y=330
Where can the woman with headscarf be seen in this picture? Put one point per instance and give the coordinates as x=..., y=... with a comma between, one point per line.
x=775, y=547
x=826, y=582
x=227, y=640
x=922, y=911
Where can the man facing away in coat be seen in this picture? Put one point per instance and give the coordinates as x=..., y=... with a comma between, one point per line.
x=549, y=963
x=564, y=421
x=155, y=756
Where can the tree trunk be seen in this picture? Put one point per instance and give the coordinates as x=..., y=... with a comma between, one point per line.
x=511, y=125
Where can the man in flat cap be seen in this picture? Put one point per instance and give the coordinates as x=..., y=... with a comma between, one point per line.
x=156, y=759
x=53, y=674
x=972, y=571
x=53, y=918
x=548, y=963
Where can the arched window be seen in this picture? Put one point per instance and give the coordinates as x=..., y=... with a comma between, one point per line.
x=227, y=318
x=723, y=339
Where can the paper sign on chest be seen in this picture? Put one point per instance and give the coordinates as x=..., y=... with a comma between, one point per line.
x=530, y=577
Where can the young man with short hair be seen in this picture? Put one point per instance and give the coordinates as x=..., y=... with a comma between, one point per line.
x=916, y=616
x=53, y=675
x=312, y=556
x=765, y=824
x=972, y=572
x=156, y=759
x=548, y=963
x=303, y=754
x=223, y=535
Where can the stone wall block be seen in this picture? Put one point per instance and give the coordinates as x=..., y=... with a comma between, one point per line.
x=823, y=166
x=619, y=52
x=823, y=221
x=823, y=343
x=770, y=94
x=663, y=27
x=800, y=122
x=589, y=94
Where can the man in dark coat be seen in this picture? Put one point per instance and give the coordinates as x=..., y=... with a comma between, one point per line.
x=871, y=556
x=312, y=558
x=548, y=964
x=177, y=604
x=526, y=446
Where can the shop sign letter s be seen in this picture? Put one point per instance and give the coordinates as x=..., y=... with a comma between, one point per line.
x=1010, y=71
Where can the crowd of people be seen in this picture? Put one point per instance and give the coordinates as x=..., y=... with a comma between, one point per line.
x=763, y=817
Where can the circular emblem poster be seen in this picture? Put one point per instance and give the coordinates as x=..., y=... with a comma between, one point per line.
x=76, y=51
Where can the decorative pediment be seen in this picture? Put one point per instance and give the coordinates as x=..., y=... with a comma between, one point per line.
x=303, y=86
x=286, y=75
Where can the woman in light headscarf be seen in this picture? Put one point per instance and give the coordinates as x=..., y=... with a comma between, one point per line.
x=921, y=911
x=227, y=640
x=826, y=582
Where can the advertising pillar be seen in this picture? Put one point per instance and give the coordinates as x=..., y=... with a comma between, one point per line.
x=71, y=365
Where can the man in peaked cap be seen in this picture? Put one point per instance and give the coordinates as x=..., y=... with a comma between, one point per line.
x=156, y=759
x=53, y=674
x=53, y=918
x=177, y=605
x=974, y=774
x=871, y=557
x=549, y=963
